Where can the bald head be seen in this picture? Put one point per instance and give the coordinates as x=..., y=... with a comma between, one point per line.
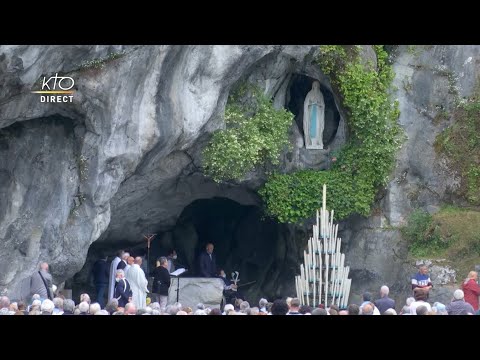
x=138, y=260
x=44, y=266
x=367, y=309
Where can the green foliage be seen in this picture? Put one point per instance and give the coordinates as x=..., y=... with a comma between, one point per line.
x=460, y=143
x=100, y=63
x=255, y=133
x=423, y=236
x=365, y=162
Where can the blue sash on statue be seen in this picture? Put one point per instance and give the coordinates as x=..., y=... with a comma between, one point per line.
x=313, y=121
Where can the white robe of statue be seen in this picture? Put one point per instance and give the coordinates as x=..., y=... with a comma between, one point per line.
x=314, y=117
x=138, y=284
x=113, y=273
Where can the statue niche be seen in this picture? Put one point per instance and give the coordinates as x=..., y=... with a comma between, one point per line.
x=314, y=117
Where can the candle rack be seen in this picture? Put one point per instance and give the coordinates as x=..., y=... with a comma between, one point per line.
x=323, y=277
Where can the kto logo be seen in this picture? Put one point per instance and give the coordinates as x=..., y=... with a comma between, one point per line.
x=56, y=85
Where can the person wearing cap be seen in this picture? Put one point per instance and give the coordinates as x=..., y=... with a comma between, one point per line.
x=439, y=308
x=471, y=289
x=459, y=306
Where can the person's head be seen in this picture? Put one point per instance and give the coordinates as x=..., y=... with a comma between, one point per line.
x=68, y=305
x=130, y=260
x=367, y=309
x=289, y=301
x=172, y=254
x=319, y=311
x=244, y=306
x=125, y=256
x=384, y=291
x=422, y=310
x=86, y=298
x=353, y=309
x=367, y=296
x=334, y=307
x=343, y=312
x=295, y=304
x=473, y=275
x=262, y=303
x=138, y=260
x=130, y=309
x=163, y=262
x=58, y=302
x=214, y=311
x=47, y=306
x=423, y=269
x=279, y=307
x=440, y=309
x=120, y=274
x=410, y=300
x=406, y=310
x=209, y=248
x=84, y=307
x=44, y=266
x=120, y=253
x=94, y=308
x=332, y=311
x=420, y=294
x=21, y=305
x=4, y=302
x=222, y=273
x=13, y=307
x=458, y=294
x=181, y=312
x=390, y=312
x=228, y=308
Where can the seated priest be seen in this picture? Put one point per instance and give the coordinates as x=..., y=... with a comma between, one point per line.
x=229, y=289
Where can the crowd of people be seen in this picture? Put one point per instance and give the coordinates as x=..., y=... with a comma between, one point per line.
x=129, y=295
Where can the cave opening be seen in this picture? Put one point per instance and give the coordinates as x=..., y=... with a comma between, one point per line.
x=300, y=85
x=260, y=249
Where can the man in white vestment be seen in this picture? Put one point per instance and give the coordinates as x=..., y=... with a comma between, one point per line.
x=138, y=284
x=113, y=273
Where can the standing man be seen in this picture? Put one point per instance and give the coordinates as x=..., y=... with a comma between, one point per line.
x=471, y=289
x=130, y=262
x=138, y=282
x=172, y=256
x=123, y=293
x=384, y=303
x=41, y=283
x=161, y=282
x=113, y=270
x=100, y=278
x=208, y=265
x=123, y=264
x=422, y=279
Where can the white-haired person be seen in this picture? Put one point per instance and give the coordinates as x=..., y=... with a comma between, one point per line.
x=47, y=307
x=123, y=292
x=58, y=309
x=459, y=306
x=94, y=308
x=384, y=303
x=227, y=309
x=83, y=308
x=262, y=304
x=68, y=307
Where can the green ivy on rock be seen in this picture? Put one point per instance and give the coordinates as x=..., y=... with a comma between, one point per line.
x=365, y=161
x=255, y=133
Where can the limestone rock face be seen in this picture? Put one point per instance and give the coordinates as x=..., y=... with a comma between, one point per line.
x=124, y=158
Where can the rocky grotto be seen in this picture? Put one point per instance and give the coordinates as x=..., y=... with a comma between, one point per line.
x=124, y=158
